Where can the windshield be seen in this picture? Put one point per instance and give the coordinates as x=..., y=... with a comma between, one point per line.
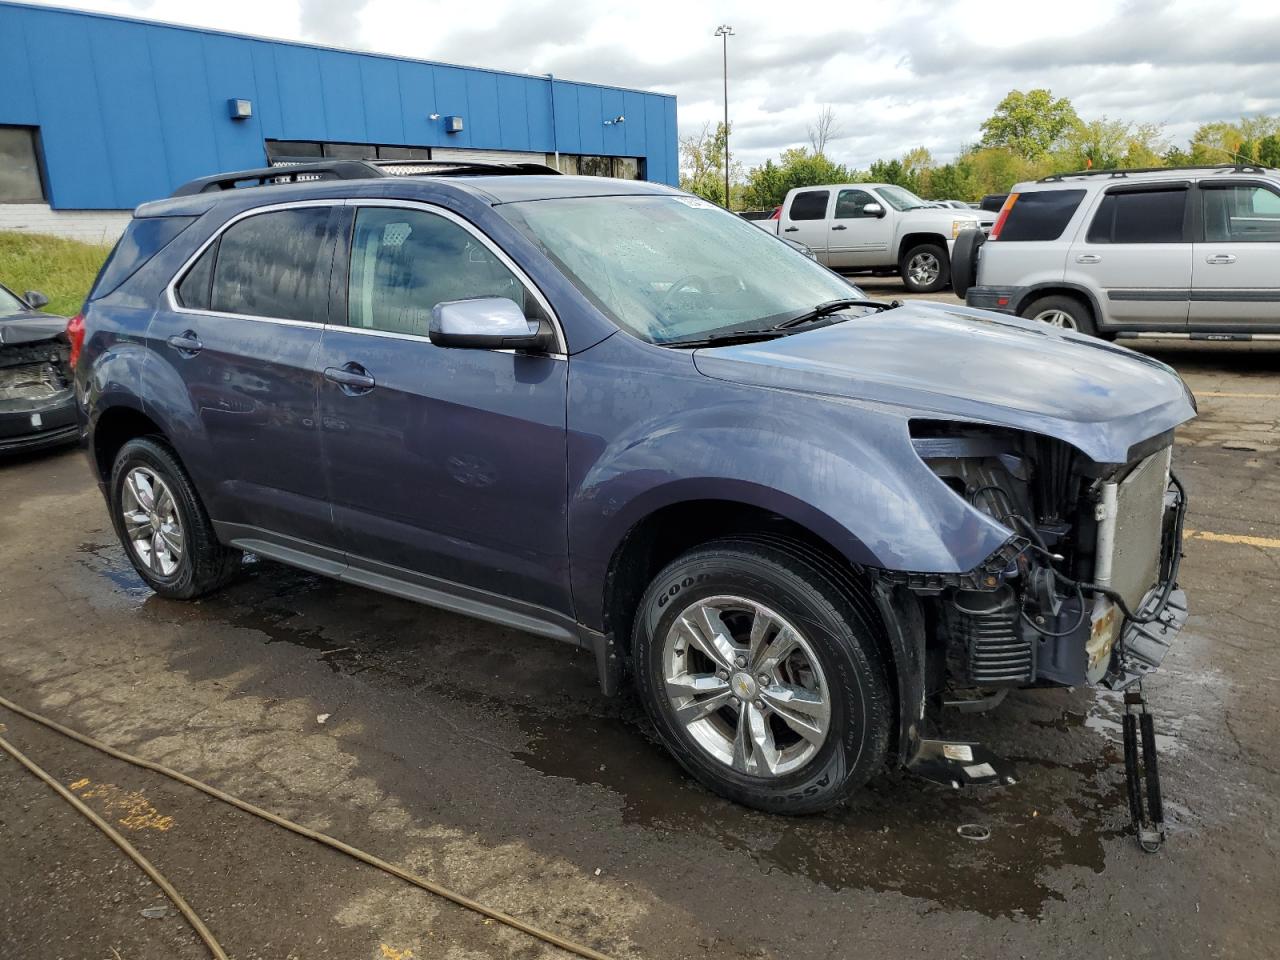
x=668, y=268
x=901, y=199
x=9, y=303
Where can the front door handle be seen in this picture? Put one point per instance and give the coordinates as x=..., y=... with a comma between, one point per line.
x=351, y=377
x=1088, y=258
x=1220, y=258
x=840, y=227
x=186, y=343
x=790, y=229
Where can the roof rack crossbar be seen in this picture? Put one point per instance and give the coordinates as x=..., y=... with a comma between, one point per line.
x=352, y=170
x=1124, y=172
x=324, y=170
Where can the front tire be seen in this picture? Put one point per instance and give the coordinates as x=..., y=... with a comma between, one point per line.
x=162, y=524
x=762, y=676
x=925, y=268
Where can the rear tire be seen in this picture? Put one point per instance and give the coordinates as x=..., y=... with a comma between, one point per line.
x=925, y=268
x=809, y=726
x=162, y=524
x=1063, y=312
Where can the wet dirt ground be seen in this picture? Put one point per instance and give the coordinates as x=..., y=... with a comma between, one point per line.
x=487, y=760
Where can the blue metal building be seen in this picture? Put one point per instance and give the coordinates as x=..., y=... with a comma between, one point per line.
x=100, y=112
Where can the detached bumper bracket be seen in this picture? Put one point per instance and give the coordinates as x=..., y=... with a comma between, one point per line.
x=1142, y=646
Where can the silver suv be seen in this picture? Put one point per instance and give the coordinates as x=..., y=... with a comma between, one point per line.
x=1190, y=252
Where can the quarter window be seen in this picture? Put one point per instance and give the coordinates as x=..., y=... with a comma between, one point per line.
x=404, y=262
x=849, y=204
x=275, y=265
x=810, y=205
x=1143, y=216
x=193, y=289
x=1241, y=213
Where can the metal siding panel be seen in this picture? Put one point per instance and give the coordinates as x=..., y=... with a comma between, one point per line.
x=537, y=104
x=636, y=128
x=380, y=83
x=612, y=105
x=417, y=103
x=71, y=130
x=568, y=130
x=127, y=102
x=343, y=97
x=482, y=110
x=17, y=92
x=670, y=143
x=267, y=104
x=184, y=101
x=230, y=69
x=513, y=112
x=590, y=119
x=655, y=134
x=301, y=95
x=451, y=100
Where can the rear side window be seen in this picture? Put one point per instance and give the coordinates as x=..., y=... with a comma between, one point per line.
x=1040, y=216
x=810, y=205
x=142, y=240
x=274, y=265
x=1144, y=216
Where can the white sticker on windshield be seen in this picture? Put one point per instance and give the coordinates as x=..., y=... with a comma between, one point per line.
x=695, y=203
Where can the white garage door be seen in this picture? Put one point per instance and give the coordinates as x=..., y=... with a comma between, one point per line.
x=492, y=156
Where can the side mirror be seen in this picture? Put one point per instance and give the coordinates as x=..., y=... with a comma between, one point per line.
x=488, y=323
x=35, y=299
x=872, y=210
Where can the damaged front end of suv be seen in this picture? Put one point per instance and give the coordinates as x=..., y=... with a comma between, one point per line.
x=37, y=399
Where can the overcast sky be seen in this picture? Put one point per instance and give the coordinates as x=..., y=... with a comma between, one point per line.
x=897, y=74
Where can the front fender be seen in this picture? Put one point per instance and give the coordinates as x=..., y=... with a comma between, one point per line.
x=662, y=434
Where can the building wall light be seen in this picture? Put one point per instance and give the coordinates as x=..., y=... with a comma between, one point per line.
x=240, y=109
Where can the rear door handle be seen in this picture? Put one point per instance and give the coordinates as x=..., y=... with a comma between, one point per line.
x=790, y=229
x=840, y=227
x=1088, y=258
x=351, y=377
x=186, y=343
x=1220, y=258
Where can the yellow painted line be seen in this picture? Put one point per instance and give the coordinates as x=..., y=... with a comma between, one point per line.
x=1236, y=396
x=1266, y=543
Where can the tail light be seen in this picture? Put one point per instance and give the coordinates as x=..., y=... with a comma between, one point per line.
x=777, y=213
x=1004, y=215
x=75, y=334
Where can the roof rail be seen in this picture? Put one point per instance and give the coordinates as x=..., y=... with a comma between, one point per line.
x=352, y=170
x=1222, y=167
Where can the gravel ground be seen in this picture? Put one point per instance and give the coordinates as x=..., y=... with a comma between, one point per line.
x=486, y=759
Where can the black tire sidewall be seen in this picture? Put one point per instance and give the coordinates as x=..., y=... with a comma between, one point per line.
x=944, y=267
x=1077, y=308
x=855, y=744
x=150, y=454
x=964, y=260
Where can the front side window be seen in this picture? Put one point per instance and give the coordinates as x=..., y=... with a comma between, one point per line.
x=404, y=262
x=810, y=205
x=1241, y=213
x=275, y=264
x=1141, y=216
x=9, y=303
x=668, y=268
x=849, y=204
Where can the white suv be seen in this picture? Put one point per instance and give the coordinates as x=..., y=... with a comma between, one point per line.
x=1191, y=252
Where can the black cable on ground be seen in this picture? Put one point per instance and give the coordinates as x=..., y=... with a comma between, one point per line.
x=430, y=886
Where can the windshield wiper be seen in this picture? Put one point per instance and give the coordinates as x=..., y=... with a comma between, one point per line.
x=833, y=306
x=723, y=339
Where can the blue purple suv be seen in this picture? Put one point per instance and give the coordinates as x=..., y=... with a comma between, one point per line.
x=802, y=522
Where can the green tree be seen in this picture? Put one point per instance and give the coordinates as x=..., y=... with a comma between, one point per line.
x=702, y=164
x=767, y=184
x=1104, y=144
x=1030, y=124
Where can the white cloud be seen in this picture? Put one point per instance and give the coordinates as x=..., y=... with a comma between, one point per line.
x=897, y=73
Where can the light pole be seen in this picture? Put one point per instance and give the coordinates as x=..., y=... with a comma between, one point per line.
x=724, y=31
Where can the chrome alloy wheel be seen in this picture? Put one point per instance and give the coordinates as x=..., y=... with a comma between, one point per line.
x=1057, y=318
x=746, y=685
x=923, y=269
x=151, y=521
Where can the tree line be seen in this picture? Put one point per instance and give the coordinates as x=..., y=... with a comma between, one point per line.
x=1029, y=135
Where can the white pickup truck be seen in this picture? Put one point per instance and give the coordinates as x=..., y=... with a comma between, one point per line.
x=876, y=227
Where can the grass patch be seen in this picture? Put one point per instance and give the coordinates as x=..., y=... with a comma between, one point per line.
x=63, y=270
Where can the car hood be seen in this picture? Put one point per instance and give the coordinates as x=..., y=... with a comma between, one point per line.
x=934, y=360
x=30, y=327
